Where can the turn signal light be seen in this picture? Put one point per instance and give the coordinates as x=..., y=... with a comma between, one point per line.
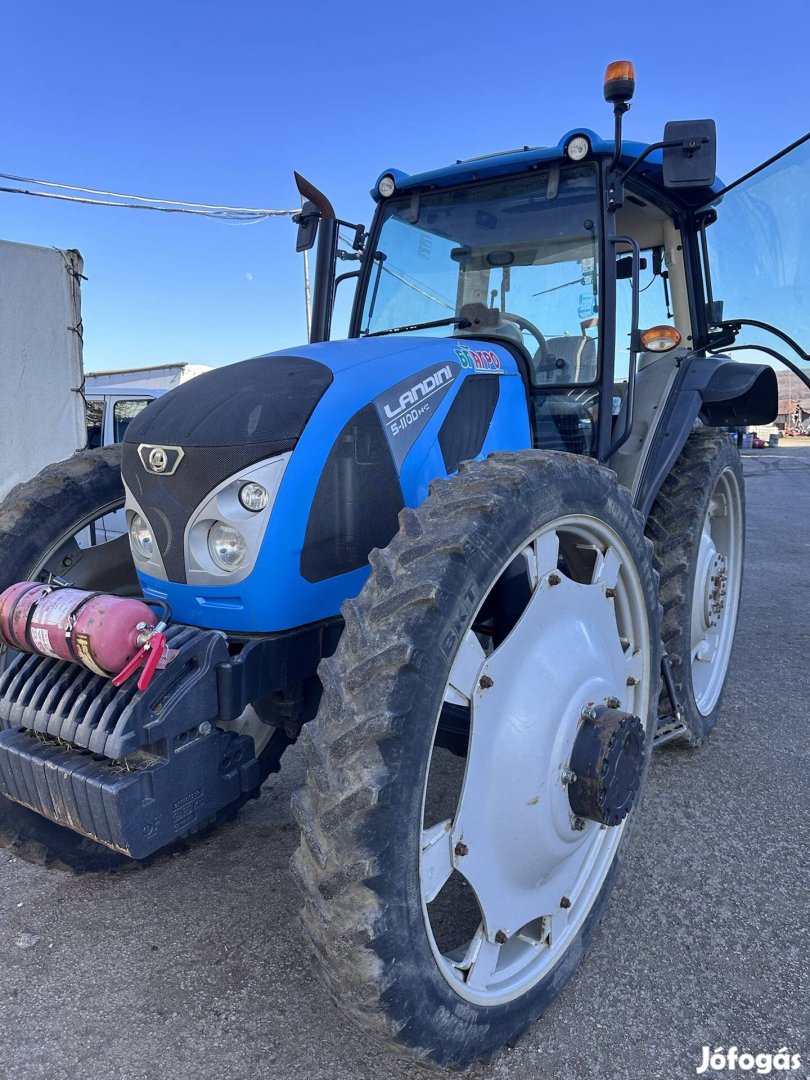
x=660, y=339
x=620, y=81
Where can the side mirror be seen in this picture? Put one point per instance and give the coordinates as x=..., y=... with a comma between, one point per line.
x=690, y=153
x=307, y=226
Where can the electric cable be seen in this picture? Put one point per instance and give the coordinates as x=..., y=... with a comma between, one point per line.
x=231, y=214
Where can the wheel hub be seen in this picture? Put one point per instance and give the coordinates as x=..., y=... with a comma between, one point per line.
x=522, y=853
x=607, y=762
x=715, y=589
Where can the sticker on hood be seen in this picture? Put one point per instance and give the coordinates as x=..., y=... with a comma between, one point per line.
x=406, y=408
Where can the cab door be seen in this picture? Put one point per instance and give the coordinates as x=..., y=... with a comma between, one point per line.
x=758, y=254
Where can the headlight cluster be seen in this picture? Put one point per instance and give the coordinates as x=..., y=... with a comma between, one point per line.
x=226, y=545
x=222, y=537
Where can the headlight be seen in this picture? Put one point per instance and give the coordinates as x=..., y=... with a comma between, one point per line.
x=141, y=537
x=253, y=497
x=226, y=546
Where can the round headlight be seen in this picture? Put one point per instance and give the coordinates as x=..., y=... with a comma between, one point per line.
x=226, y=546
x=253, y=496
x=387, y=186
x=578, y=148
x=141, y=537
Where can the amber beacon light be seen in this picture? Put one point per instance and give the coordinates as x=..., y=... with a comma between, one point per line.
x=620, y=81
x=660, y=339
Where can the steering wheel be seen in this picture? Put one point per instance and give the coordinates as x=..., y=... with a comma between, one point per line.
x=524, y=324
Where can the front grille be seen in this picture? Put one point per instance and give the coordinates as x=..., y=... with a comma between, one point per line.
x=225, y=420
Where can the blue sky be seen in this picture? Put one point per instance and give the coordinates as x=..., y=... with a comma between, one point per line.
x=218, y=102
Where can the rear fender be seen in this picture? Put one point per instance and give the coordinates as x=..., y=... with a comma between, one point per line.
x=717, y=391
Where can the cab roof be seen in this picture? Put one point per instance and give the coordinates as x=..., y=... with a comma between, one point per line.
x=515, y=162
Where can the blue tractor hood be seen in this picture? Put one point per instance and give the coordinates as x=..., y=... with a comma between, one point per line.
x=365, y=424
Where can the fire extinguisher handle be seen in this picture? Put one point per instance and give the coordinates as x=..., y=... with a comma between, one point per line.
x=129, y=669
x=156, y=647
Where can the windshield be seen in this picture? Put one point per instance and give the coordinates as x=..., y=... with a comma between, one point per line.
x=524, y=248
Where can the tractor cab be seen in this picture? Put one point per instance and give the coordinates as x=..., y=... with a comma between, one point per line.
x=599, y=265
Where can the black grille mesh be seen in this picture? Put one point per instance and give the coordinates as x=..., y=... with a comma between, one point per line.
x=356, y=503
x=465, y=427
x=225, y=420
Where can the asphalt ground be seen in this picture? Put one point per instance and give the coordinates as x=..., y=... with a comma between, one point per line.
x=196, y=967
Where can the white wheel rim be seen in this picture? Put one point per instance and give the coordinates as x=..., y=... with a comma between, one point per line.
x=715, y=598
x=534, y=869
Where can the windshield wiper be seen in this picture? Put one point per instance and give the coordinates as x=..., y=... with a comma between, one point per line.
x=461, y=323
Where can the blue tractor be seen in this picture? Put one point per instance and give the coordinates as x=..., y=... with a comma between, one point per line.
x=481, y=556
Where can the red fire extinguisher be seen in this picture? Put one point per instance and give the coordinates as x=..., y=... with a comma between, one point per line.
x=110, y=635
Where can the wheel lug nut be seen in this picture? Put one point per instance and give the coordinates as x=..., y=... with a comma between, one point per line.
x=460, y=849
x=501, y=938
x=485, y=682
x=610, y=593
x=613, y=703
x=578, y=824
x=568, y=776
x=565, y=902
x=631, y=681
x=554, y=579
x=588, y=713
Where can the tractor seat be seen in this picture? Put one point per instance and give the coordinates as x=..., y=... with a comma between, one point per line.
x=570, y=359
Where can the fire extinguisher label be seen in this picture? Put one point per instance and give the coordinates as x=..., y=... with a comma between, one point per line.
x=41, y=639
x=60, y=604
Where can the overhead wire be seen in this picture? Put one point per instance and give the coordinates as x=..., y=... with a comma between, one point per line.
x=231, y=214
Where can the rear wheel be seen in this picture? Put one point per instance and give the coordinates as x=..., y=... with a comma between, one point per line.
x=484, y=734
x=68, y=522
x=697, y=525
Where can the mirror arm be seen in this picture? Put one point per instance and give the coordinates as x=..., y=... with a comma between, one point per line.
x=616, y=180
x=687, y=146
x=797, y=371
x=735, y=324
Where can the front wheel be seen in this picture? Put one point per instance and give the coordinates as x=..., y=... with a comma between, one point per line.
x=479, y=753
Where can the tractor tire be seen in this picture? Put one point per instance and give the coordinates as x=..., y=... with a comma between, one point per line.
x=386, y=894
x=697, y=526
x=39, y=520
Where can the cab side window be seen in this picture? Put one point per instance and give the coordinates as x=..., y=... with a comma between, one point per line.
x=653, y=303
